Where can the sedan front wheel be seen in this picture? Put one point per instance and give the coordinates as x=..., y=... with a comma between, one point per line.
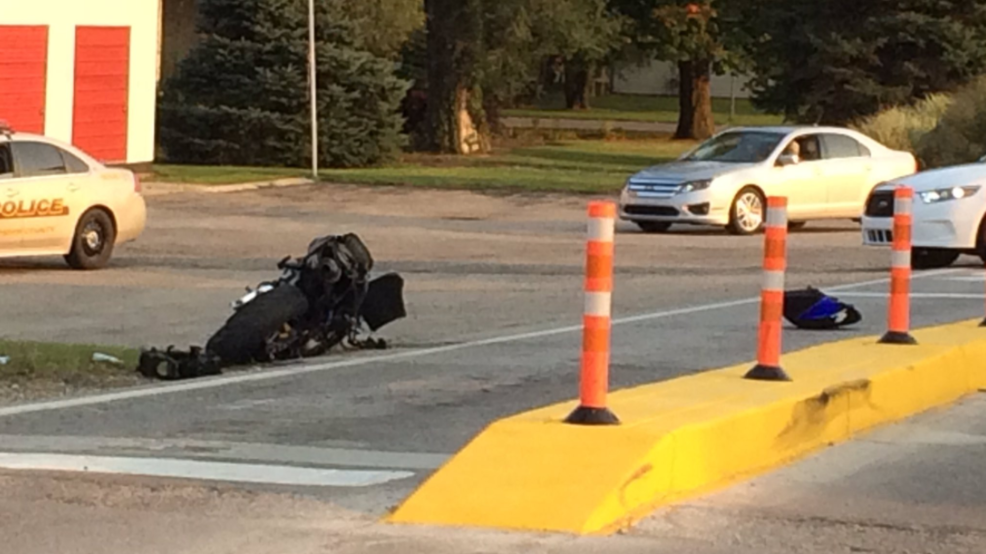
x=746, y=217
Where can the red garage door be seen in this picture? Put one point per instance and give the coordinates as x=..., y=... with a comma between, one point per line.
x=23, y=68
x=102, y=84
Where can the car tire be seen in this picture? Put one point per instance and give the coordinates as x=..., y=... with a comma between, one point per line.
x=796, y=225
x=981, y=242
x=93, y=242
x=741, y=220
x=243, y=338
x=933, y=258
x=653, y=226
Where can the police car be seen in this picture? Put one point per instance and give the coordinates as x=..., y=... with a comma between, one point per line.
x=57, y=200
x=948, y=214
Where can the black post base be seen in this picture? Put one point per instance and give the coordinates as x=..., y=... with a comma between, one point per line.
x=767, y=373
x=592, y=416
x=896, y=337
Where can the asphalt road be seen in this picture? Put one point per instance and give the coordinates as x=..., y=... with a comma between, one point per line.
x=494, y=292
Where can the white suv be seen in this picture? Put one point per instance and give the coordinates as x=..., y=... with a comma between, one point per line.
x=825, y=172
x=57, y=200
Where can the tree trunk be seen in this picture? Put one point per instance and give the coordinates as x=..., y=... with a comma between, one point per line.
x=576, y=84
x=451, y=125
x=695, y=119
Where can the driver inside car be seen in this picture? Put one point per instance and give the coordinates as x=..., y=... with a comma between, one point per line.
x=793, y=149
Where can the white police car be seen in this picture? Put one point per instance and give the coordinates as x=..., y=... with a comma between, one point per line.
x=57, y=200
x=949, y=214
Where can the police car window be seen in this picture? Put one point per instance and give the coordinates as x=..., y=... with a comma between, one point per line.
x=72, y=163
x=6, y=162
x=36, y=159
x=841, y=146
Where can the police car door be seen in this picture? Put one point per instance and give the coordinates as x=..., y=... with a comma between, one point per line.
x=44, y=197
x=10, y=227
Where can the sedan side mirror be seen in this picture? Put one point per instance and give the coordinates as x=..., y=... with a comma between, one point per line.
x=788, y=159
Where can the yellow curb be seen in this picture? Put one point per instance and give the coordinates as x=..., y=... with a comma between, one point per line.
x=690, y=435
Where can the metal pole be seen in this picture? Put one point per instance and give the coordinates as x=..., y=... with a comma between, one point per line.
x=314, y=86
x=732, y=98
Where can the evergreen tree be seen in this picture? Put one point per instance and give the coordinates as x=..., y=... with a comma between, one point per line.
x=241, y=96
x=833, y=61
x=384, y=26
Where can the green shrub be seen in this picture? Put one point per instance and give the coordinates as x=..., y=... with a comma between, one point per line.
x=960, y=136
x=901, y=127
x=241, y=96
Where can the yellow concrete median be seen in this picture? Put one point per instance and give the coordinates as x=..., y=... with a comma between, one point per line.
x=690, y=435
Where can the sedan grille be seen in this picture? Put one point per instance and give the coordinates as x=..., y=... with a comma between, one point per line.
x=666, y=211
x=881, y=204
x=650, y=188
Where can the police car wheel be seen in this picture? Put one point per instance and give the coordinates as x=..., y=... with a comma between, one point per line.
x=932, y=258
x=92, y=245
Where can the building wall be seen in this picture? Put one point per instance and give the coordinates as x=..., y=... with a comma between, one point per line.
x=62, y=16
x=658, y=77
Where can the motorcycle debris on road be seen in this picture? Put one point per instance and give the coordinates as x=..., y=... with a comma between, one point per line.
x=321, y=300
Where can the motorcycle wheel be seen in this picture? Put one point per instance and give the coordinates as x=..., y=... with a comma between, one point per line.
x=243, y=339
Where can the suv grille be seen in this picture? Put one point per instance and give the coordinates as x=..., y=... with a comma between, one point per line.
x=880, y=204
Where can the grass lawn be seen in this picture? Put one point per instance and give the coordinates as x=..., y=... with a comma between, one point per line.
x=219, y=175
x=632, y=107
x=38, y=363
x=580, y=166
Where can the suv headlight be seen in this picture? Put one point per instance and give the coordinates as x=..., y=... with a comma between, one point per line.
x=694, y=186
x=944, y=195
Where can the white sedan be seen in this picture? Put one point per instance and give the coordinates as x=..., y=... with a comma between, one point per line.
x=948, y=214
x=825, y=172
x=57, y=200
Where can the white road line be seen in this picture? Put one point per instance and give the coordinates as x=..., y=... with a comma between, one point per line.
x=915, y=295
x=292, y=371
x=210, y=471
x=223, y=450
x=978, y=278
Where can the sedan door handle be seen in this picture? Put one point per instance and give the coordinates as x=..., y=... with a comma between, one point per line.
x=12, y=193
x=73, y=187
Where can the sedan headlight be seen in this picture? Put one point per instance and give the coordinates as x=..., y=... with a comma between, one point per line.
x=694, y=186
x=944, y=195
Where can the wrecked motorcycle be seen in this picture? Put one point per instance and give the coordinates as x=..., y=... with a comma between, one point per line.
x=321, y=300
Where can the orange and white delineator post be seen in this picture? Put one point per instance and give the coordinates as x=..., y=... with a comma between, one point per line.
x=983, y=324
x=768, y=366
x=596, y=322
x=899, y=312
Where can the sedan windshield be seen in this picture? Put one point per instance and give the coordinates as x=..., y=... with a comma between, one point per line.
x=738, y=147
